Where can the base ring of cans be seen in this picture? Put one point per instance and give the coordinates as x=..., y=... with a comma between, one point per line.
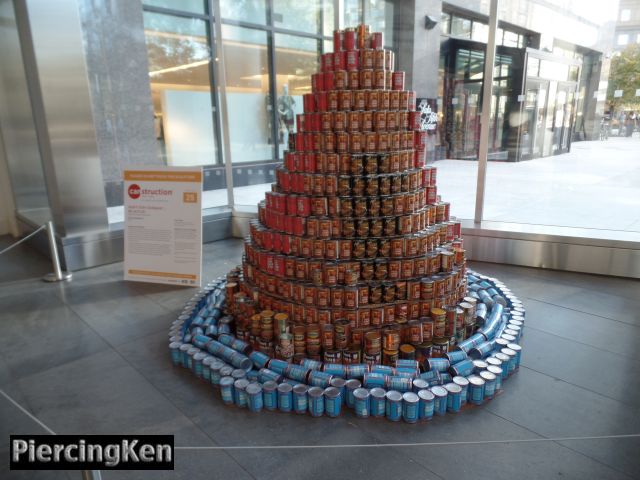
x=471, y=375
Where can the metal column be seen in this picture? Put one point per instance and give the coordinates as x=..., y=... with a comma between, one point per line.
x=487, y=96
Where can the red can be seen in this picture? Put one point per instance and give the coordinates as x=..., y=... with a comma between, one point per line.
x=376, y=39
x=398, y=80
x=378, y=59
x=308, y=102
x=379, y=79
x=383, y=101
x=338, y=40
x=327, y=62
x=353, y=79
x=321, y=102
x=359, y=100
x=394, y=100
x=420, y=140
x=303, y=206
x=349, y=40
x=339, y=121
x=328, y=80
x=388, y=59
x=366, y=79
x=340, y=60
x=367, y=121
x=328, y=142
x=411, y=100
x=372, y=100
x=340, y=79
x=345, y=99
x=332, y=100
x=353, y=121
x=366, y=58
x=355, y=142
x=342, y=142
x=326, y=121
x=352, y=60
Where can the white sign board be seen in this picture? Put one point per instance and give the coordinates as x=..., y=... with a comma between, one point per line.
x=163, y=225
x=617, y=93
x=637, y=92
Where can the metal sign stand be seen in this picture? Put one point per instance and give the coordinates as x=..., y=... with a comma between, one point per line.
x=58, y=275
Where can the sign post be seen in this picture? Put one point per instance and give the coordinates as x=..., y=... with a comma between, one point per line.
x=163, y=225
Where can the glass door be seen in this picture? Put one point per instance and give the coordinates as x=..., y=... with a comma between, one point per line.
x=533, y=115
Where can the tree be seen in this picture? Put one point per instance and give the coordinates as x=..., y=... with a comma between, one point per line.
x=625, y=76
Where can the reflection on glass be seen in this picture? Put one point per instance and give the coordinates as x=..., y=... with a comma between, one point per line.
x=194, y=6
x=510, y=39
x=253, y=11
x=296, y=60
x=480, y=32
x=179, y=58
x=446, y=23
x=380, y=17
x=460, y=27
x=351, y=14
x=247, y=86
x=300, y=15
x=329, y=19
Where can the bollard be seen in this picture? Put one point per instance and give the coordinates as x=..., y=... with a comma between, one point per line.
x=57, y=275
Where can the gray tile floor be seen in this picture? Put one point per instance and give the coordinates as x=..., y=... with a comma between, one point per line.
x=90, y=357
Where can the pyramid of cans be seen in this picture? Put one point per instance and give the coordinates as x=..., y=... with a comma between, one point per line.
x=471, y=373
x=352, y=247
x=353, y=290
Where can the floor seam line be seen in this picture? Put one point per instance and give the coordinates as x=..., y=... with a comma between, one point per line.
x=115, y=349
x=581, y=311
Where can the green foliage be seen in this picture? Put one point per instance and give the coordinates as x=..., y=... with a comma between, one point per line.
x=625, y=76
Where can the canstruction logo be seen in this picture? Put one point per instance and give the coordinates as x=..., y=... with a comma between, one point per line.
x=134, y=191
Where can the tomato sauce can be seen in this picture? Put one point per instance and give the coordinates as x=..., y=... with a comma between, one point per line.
x=398, y=80
x=352, y=61
x=366, y=80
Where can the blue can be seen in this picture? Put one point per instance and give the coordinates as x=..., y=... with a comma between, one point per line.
x=265, y=374
x=511, y=364
x=403, y=372
x=176, y=355
x=296, y=372
x=311, y=364
x=259, y=359
x=240, y=392
x=497, y=371
x=300, y=398
x=445, y=378
x=293, y=383
x=285, y=397
x=278, y=366
x=456, y=356
x=499, y=344
x=464, y=386
x=252, y=376
x=505, y=359
x=454, y=397
x=437, y=364
x=340, y=384
x=192, y=352
x=384, y=369
x=336, y=369
x=410, y=402
x=518, y=349
x=361, y=403
x=316, y=401
x=238, y=373
x=225, y=371
x=481, y=350
x=254, y=397
x=270, y=395
x=476, y=390
x=479, y=365
x=462, y=368
x=426, y=405
x=350, y=386
x=429, y=376
x=402, y=384
x=489, y=383
x=419, y=384
x=440, y=401
x=404, y=363
x=226, y=390
x=206, y=367
x=377, y=400
x=320, y=379
x=184, y=351
x=332, y=401
x=372, y=380
x=356, y=370
x=394, y=406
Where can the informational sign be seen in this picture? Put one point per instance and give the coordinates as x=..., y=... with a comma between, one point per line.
x=163, y=225
x=637, y=92
x=428, y=108
x=618, y=93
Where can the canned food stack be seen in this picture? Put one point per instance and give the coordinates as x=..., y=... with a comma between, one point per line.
x=352, y=243
x=472, y=373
